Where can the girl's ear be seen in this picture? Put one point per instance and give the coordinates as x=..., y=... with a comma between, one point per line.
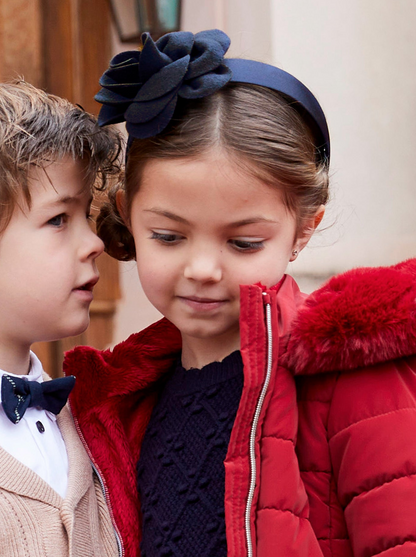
x=310, y=227
x=121, y=206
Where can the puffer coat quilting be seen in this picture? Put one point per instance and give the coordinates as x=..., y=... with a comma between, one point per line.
x=352, y=348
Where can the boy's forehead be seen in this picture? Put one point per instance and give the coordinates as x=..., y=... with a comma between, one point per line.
x=65, y=179
x=56, y=183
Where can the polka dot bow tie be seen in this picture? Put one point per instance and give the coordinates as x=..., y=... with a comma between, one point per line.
x=17, y=395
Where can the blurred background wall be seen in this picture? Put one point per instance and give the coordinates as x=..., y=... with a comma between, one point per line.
x=357, y=57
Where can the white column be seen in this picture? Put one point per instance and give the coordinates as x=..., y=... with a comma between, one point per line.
x=359, y=58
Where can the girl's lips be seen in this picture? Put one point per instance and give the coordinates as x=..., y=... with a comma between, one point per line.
x=202, y=304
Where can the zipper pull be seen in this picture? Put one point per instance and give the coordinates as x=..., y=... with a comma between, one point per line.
x=266, y=298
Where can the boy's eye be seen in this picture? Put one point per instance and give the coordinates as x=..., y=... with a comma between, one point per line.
x=247, y=245
x=59, y=220
x=165, y=237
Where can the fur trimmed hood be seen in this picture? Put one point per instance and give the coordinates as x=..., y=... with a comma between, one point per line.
x=363, y=317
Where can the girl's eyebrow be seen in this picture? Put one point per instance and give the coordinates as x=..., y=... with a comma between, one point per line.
x=252, y=220
x=167, y=214
x=237, y=224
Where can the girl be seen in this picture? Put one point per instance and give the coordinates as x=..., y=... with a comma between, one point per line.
x=196, y=417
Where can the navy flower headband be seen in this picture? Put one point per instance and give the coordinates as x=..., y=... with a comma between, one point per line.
x=142, y=87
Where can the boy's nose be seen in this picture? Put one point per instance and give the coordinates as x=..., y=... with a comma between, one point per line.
x=93, y=246
x=203, y=267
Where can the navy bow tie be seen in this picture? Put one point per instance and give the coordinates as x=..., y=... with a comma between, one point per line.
x=18, y=394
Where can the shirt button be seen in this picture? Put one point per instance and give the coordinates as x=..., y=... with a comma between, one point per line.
x=40, y=426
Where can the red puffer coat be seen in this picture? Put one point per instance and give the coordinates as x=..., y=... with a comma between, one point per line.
x=266, y=508
x=353, y=349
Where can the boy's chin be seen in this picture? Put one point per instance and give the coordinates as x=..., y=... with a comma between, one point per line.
x=78, y=330
x=66, y=332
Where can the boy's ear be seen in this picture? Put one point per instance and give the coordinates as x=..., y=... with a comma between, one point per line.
x=310, y=227
x=121, y=206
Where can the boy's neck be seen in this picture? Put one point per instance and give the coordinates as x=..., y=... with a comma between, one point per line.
x=15, y=360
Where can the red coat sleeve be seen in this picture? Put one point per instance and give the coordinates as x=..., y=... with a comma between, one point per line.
x=372, y=442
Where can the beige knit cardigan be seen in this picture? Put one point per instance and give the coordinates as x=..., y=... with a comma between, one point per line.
x=34, y=519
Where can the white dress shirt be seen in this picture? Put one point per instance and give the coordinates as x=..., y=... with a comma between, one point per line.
x=36, y=440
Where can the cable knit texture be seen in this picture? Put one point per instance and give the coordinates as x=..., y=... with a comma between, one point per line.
x=181, y=475
x=36, y=521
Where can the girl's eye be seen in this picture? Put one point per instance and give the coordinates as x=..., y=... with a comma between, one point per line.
x=246, y=245
x=59, y=220
x=166, y=238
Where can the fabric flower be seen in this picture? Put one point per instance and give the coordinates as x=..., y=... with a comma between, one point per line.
x=142, y=87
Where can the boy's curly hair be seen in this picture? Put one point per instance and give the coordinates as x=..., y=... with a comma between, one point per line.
x=36, y=129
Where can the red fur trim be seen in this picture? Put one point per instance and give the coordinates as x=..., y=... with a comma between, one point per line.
x=112, y=402
x=363, y=317
x=133, y=365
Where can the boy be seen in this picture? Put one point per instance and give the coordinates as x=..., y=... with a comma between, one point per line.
x=52, y=155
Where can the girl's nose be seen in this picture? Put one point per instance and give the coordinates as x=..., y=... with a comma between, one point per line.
x=203, y=267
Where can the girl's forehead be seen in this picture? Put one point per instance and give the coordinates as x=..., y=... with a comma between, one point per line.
x=207, y=188
x=204, y=175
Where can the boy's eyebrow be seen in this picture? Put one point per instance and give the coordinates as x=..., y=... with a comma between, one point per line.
x=237, y=224
x=67, y=200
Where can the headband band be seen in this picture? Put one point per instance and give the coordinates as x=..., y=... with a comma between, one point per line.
x=299, y=96
x=142, y=87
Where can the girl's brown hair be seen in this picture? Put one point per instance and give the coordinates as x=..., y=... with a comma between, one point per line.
x=254, y=125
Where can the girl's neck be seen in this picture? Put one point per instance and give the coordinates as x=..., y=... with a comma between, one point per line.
x=198, y=352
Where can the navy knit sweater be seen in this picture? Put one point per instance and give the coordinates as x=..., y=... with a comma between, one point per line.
x=181, y=474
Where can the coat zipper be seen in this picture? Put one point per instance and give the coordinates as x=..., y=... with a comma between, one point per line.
x=103, y=488
x=252, y=449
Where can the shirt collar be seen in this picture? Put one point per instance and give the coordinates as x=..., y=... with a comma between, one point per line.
x=35, y=371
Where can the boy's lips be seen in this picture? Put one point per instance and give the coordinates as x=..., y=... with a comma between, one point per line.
x=89, y=284
x=84, y=290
